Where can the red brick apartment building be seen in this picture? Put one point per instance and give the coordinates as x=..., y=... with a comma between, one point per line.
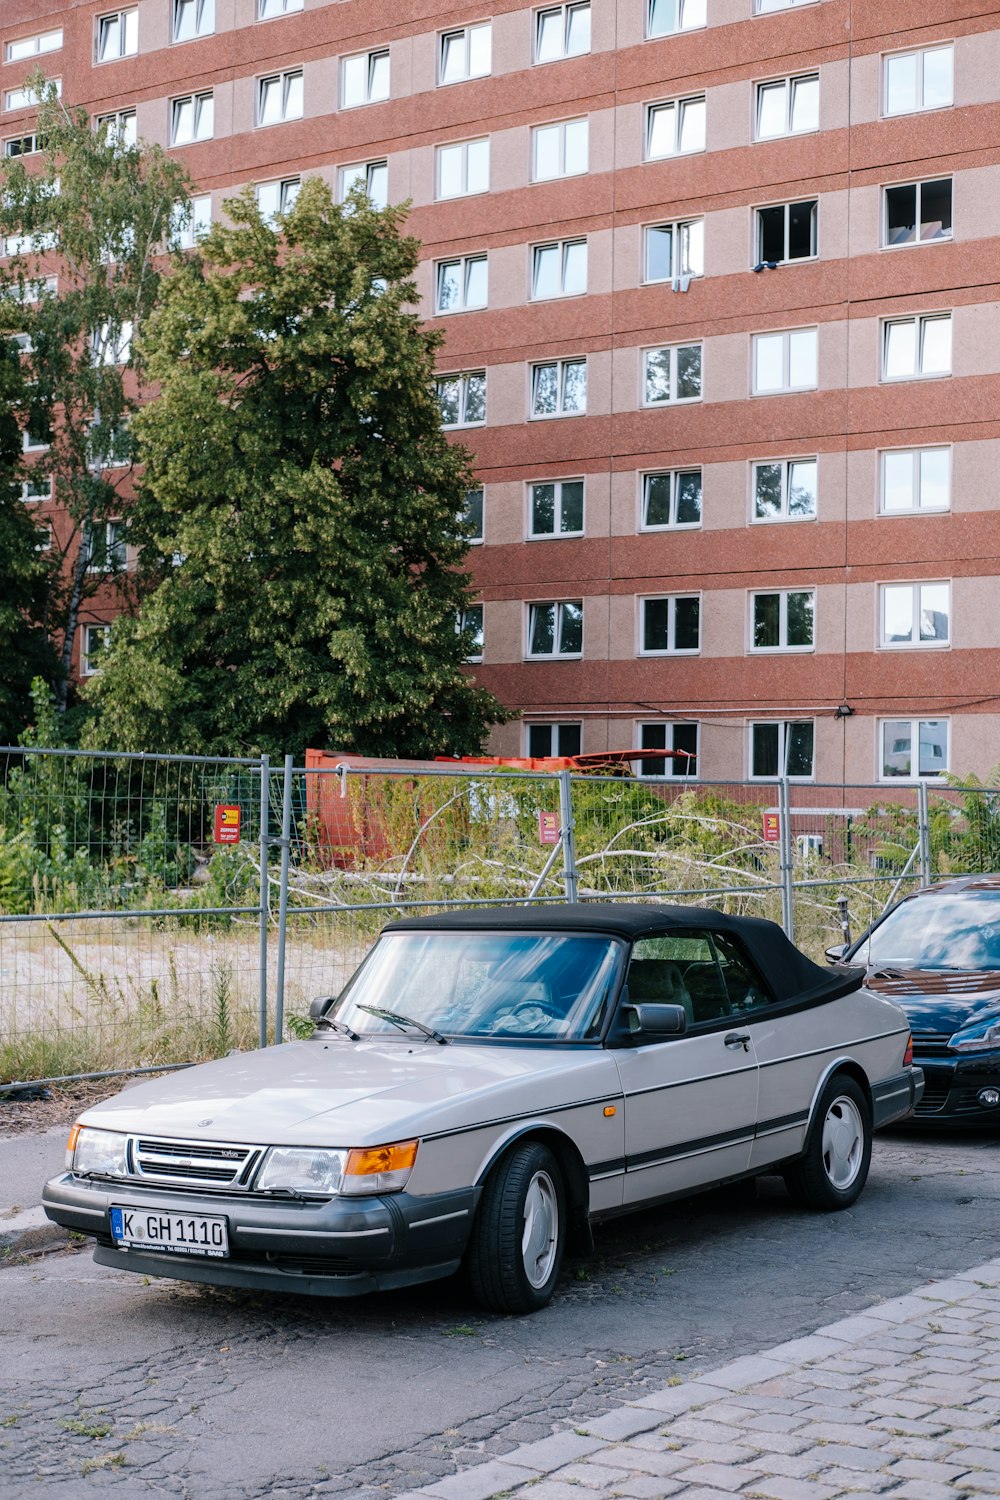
x=719, y=285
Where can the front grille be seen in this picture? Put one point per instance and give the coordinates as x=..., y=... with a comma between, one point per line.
x=215, y=1165
x=931, y=1043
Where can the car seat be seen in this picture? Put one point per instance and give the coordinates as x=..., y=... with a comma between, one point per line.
x=659, y=980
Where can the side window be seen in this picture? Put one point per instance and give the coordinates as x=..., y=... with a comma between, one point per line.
x=679, y=968
x=744, y=987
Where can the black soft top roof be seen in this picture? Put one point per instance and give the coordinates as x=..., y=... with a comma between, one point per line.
x=790, y=974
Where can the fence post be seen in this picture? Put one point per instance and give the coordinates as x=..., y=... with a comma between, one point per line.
x=571, y=878
x=787, y=871
x=924, y=832
x=285, y=841
x=265, y=792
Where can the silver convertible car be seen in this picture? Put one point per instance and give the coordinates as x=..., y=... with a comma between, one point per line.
x=488, y=1086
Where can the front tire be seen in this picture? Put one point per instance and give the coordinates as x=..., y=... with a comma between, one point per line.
x=518, y=1240
x=834, y=1169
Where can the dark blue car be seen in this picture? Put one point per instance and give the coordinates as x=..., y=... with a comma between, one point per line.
x=937, y=954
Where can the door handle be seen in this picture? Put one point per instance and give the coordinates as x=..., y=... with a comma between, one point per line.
x=738, y=1039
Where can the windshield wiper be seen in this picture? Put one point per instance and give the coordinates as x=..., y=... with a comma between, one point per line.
x=398, y=1019
x=341, y=1027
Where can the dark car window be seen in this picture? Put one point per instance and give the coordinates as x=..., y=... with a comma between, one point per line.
x=937, y=932
x=745, y=988
x=705, y=972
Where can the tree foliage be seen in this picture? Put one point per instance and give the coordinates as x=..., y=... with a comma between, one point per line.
x=301, y=552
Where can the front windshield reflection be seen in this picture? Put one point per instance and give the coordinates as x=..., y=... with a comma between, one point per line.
x=956, y=932
x=501, y=985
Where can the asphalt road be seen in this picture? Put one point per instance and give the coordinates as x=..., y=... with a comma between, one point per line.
x=111, y=1383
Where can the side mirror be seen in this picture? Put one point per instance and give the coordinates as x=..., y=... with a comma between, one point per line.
x=319, y=1007
x=835, y=954
x=659, y=1020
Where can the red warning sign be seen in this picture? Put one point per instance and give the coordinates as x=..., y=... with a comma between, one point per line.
x=772, y=828
x=227, y=824
x=548, y=828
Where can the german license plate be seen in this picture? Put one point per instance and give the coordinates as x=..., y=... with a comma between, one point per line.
x=180, y=1234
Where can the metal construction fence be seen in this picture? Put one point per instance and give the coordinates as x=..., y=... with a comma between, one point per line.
x=156, y=910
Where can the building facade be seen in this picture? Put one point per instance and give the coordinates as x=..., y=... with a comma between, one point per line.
x=719, y=284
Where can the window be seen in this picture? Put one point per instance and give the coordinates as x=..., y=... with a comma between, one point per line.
x=918, y=80
x=673, y=251
x=784, y=361
x=763, y=7
x=782, y=621
x=671, y=375
x=675, y=127
x=364, y=78
x=915, y=614
x=786, y=232
x=916, y=479
x=559, y=150
x=473, y=513
x=38, y=487
x=269, y=10
x=112, y=346
x=545, y=740
x=782, y=748
x=190, y=227
x=192, y=119
x=562, y=31
x=462, y=399
x=465, y=53
x=897, y=738
x=555, y=508
x=559, y=388
x=193, y=18
x=916, y=347
x=672, y=499
x=117, y=35
x=682, y=739
x=788, y=106
x=279, y=98
x=556, y=629
x=373, y=176
x=95, y=640
x=559, y=269
x=121, y=127
x=43, y=536
x=664, y=17
x=785, y=490
x=22, y=145
x=104, y=545
x=670, y=626
x=463, y=168
x=34, y=442
x=274, y=198
x=471, y=621
x=34, y=46
x=461, y=284
x=24, y=97
x=917, y=213
x=110, y=448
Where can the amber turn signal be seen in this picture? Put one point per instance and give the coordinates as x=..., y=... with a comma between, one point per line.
x=73, y=1137
x=609, y=1110
x=365, y=1161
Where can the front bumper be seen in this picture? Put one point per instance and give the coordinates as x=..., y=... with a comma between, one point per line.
x=953, y=1087
x=894, y=1099
x=338, y=1248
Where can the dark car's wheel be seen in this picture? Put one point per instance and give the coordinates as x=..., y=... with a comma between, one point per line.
x=838, y=1154
x=516, y=1249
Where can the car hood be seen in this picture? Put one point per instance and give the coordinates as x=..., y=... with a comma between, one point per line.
x=342, y=1093
x=939, y=1001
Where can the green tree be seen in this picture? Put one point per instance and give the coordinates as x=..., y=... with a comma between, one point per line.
x=298, y=509
x=86, y=229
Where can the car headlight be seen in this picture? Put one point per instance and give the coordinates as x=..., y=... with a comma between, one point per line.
x=977, y=1041
x=379, y=1169
x=99, y=1151
x=302, y=1169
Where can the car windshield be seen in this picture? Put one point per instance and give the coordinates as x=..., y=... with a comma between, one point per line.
x=938, y=932
x=551, y=986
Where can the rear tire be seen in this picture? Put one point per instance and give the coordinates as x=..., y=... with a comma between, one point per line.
x=834, y=1169
x=516, y=1250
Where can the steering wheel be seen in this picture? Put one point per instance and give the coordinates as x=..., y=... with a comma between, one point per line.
x=545, y=1006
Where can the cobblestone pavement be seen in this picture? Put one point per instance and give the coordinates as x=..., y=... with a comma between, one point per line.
x=902, y=1400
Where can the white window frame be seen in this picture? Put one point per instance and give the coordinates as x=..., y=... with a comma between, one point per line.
x=563, y=249
x=114, y=543
x=680, y=250
x=465, y=264
x=675, y=769
x=464, y=36
x=919, y=183
x=916, y=587
x=43, y=530
x=915, y=455
x=692, y=15
x=564, y=169
x=914, y=724
x=671, y=648
x=787, y=205
x=561, y=366
x=24, y=97
x=108, y=350
x=558, y=623
x=198, y=104
x=786, y=335
x=123, y=126
x=919, y=53
x=920, y=322
x=29, y=137
x=768, y=7
x=464, y=623
x=89, y=649
x=204, y=19
x=286, y=82
x=463, y=377
x=555, y=751
x=791, y=84
x=786, y=465
x=567, y=12
x=463, y=146
x=782, y=648
x=674, y=476
x=368, y=168
x=673, y=350
x=783, y=726
x=37, y=45
x=557, y=533
x=28, y=444
x=288, y=189
x=32, y=494
x=126, y=23
x=478, y=537
x=371, y=61
x=273, y=10
x=187, y=233
x=682, y=108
